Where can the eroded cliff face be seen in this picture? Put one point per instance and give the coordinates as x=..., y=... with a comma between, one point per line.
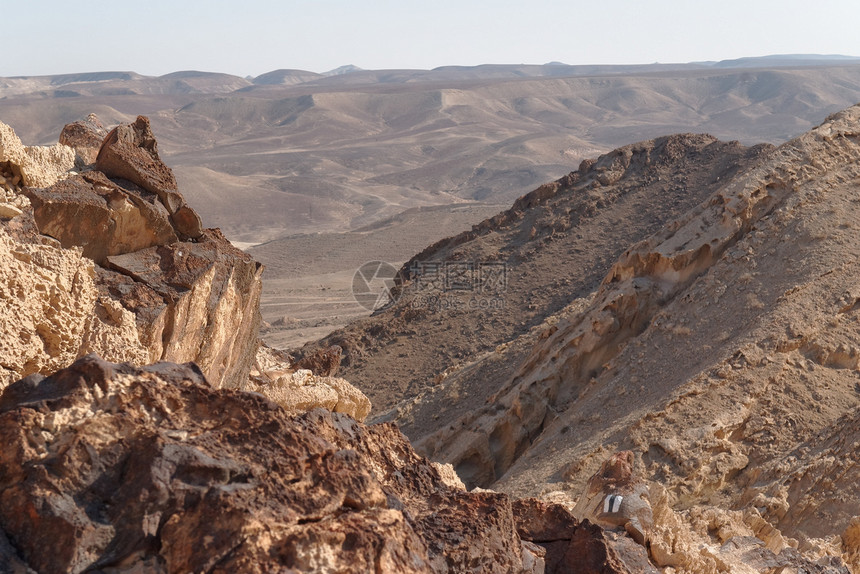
x=110, y=259
x=724, y=353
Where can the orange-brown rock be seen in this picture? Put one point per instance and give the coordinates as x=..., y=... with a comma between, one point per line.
x=94, y=213
x=130, y=152
x=121, y=469
x=85, y=137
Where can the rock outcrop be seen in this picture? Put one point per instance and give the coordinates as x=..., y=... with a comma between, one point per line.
x=85, y=137
x=52, y=310
x=130, y=152
x=92, y=212
x=190, y=293
x=126, y=470
x=121, y=266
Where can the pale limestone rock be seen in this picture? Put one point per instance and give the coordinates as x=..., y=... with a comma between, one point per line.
x=303, y=391
x=8, y=211
x=52, y=313
x=299, y=390
x=38, y=166
x=449, y=475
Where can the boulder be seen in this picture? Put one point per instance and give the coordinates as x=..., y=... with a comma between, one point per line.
x=617, y=497
x=130, y=152
x=94, y=213
x=124, y=469
x=303, y=391
x=85, y=137
x=34, y=166
x=193, y=302
x=324, y=362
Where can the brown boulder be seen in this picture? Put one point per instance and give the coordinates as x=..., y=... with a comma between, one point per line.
x=539, y=521
x=85, y=137
x=130, y=152
x=593, y=550
x=96, y=214
x=122, y=469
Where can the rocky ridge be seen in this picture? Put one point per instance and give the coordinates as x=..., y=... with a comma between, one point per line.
x=123, y=469
x=718, y=348
x=554, y=245
x=722, y=351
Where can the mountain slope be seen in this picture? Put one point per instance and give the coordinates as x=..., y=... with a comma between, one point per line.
x=713, y=359
x=723, y=351
x=555, y=244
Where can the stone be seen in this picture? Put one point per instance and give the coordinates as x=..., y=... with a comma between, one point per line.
x=539, y=521
x=94, y=213
x=125, y=469
x=130, y=152
x=194, y=302
x=85, y=137
x=324, y=362
x=617, y=497
x=303, y=391
x=593, y=550
x=8, y=211
x=34, y=166
x=52, y=311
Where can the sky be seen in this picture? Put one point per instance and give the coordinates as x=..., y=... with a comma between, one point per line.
x=251, y=37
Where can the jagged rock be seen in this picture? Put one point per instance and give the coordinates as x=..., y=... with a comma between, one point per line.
x=121, y=469
x=8, y=211
x=130, y=152
x=571, y=545
x=276, y=376
x=85, y=137
x=593, y=550
x=193, y=302
x=324, y=362
x=52, y=311
x=94, y=213
x=34, y=166
x=539, y=521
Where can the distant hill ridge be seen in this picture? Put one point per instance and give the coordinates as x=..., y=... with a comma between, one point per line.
x=490, y=70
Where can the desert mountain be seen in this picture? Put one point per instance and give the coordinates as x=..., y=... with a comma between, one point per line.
x=293, y=152
x=554, y=245
x=695, y=306
x=685, y=403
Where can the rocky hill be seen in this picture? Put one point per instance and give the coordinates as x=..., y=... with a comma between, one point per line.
x=295, y=152
x=695, y=306
x=553, y=246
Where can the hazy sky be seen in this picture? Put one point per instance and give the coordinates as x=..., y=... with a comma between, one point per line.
x=250, y=37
